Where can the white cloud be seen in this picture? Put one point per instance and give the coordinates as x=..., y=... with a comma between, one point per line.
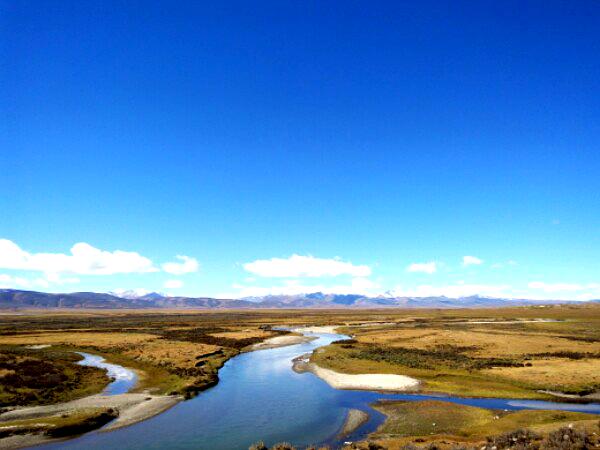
x=567, y=291
x=429, y=267
x=58, y=279
x=187, y=266
x=560, y=287
x=17, y=282
x=84, y=260
x=173, y=284
x=305, y=266
x=471, y=260
x=358, y=285
x=509, y=263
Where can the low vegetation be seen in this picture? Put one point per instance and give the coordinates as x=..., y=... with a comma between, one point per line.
x=60, y=425
x=444, y=425
x=500, y=353
x=452, y=351
x=37, y=377
x=282, y=446
x=174, y=354
x=446, y=355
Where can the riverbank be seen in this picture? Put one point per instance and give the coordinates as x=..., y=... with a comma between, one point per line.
x=282, y=341
x=366, y=382
x=422, y=423
x=180, y=353
x=538, y=358
x=125, y=409
x=116, y=407
x=354, y=419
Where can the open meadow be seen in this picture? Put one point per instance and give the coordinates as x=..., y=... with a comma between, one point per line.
x=526, y=352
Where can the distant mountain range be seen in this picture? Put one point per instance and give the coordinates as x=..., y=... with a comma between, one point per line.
x=17, y=299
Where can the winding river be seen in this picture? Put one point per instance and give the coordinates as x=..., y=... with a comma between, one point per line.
x=123, y=379
x=260, y=397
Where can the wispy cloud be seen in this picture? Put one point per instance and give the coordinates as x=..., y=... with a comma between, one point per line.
x=429, y=267
x=562, y=287
x=453, y=290
x=509, y=263
x=358, y=285
x=188, y=265
x=566, y=291
x=173, y=284
x=297, y=266
x=471, y=260
x=17, y=282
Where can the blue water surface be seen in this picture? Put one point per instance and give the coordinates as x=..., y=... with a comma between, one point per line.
x=260, y=397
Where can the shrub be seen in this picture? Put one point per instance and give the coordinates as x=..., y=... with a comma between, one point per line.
x=283, y=446
x=444, y=355
x=518, y=439
x=432, y=446
x=567, y=438
x=375, y=446
x=409, y=447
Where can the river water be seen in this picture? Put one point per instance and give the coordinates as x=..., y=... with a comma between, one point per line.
x=123, y=379
x=260, y=397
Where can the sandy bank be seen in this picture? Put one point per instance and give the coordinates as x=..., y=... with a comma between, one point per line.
x=282, y=341
x=330, y=329
x=132, y=408
x=354, y=419
x=364, y=382
x=22, y=441
x=368, y=381
x=593, y=397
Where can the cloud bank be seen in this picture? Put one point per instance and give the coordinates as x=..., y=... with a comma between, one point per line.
x=83, y=260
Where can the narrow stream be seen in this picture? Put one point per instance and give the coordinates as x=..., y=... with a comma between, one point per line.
x=260, y=397
x=123, y=379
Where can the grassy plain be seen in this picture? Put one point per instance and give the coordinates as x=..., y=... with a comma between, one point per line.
x=498, y=353
x=448, y=425
x=503, y=352
x=472, y=352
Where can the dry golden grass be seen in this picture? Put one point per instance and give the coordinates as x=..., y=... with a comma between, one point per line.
x=243, y=334
x=555, y=373
x=101, y=340
x=4, y=372
x=177, y=353
x=490, y=342
x=561, y=356
x=134, y=337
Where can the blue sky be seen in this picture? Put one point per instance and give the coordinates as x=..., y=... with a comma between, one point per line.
x=284, y=147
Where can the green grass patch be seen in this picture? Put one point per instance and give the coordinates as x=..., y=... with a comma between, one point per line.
x=432, y=417
x=60, y=425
